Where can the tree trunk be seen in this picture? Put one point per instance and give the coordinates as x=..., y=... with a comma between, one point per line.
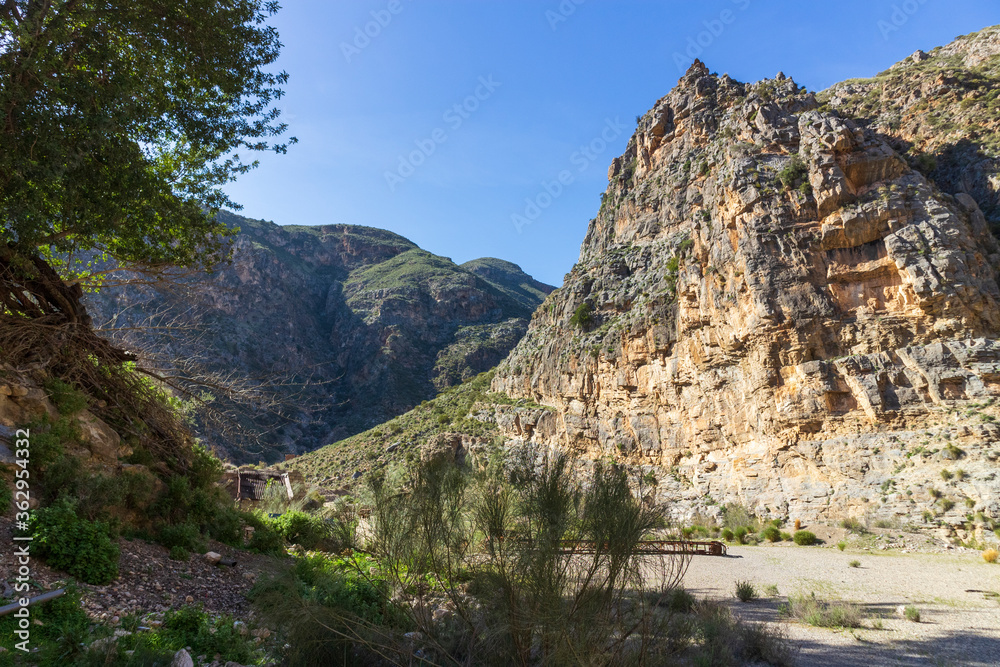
x=31, y=288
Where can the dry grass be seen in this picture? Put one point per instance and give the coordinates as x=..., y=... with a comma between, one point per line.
x=991, y=555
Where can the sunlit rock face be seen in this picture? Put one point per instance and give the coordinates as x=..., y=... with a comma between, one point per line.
x=773, y=307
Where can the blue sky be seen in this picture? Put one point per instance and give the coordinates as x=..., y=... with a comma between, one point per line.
x=443, y=119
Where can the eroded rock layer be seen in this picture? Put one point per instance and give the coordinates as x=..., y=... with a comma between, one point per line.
x=772, y=307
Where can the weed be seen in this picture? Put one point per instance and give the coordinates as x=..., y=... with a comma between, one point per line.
x=991, y=555
x=745, y=591
x=911, y=613
x=823, y=614
x=854, y=563
x=804, y=538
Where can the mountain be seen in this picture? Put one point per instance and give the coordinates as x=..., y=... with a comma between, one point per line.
x=358, y=324
x=790, y=300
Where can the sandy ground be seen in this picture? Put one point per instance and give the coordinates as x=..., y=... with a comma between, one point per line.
x=960, y=623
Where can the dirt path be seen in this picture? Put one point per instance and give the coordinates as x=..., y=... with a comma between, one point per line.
x=960, y=623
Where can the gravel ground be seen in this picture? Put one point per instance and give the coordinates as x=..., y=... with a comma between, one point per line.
x=960, y=621
x=149, y=582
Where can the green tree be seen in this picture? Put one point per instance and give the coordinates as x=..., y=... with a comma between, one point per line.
x=119, y=124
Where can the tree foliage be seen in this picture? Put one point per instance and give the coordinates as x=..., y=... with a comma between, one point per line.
x=120, y=123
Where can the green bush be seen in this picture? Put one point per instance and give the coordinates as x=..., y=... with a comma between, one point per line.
x=582, y=317
x=183, y=535
x=771, y=534
x=842, y=545
x=67, y=399
x=727, y=535
x=854, y=563
x=745, y=591
x=79, y=547
x=804, y=538
x=786, y=537
x=306, y=530
x=267, y=539
x=179, y=553
x=793, y=172
x=741, y=534
x=911, y=613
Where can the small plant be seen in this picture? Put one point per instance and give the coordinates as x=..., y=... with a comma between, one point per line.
x=798, y=524
x=947, y=504
x=786, y=537
x=582, y=317
x=771, y=590
x=823, y=614
x=854, y=563
x=745, y=591
x=727, y=535
x=179, y=553
x=79, y=547
x=991, y=555
x=804, y=538
x=741, y=534
x=911, y=613
x=853, y=525
x=945, y=474
x=771, y=534
x=842, y=545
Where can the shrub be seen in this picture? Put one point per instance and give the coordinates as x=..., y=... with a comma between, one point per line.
x=736, y=516
x=771, y=534
x=786, y=537
x=67, y=399
x=842, y=545
x=266, y=537
x=945, y=474
x=804, y=538
x=182, y=535
x=79, y=547
x=679, y=601
x=727, y=535
x=306, y=530
x=823, y=614
x=798, y=524
x=911, y=613
x=741, y=534
x=179, y=553
x=991, y=555
x=189, y=627
x=947, y=504
x=745, y=591
x=854, y=563
x=853, y=525
x=793, y=172
x=582, y=317
x=771, y=589
x=725, y=640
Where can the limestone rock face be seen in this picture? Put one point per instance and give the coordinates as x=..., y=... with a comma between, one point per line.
x=350, y=325
x=772, y=307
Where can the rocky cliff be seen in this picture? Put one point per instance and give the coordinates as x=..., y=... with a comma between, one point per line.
x=357, y=324
x=773, y=306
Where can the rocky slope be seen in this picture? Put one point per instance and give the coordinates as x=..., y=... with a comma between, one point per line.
x=774, y=307
x=358, y=323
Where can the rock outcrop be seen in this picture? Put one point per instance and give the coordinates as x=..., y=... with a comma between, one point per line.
x=774, y=307
x=357, y=324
